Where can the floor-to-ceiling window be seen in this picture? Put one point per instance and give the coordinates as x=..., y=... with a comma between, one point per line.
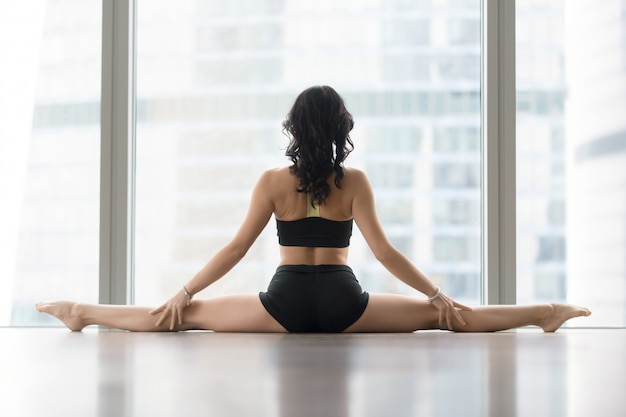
x=49, y=154
x=571, y=155
x=216, y=79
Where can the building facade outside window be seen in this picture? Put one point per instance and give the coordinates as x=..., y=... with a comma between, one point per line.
x=49, y=155
x=215, y=81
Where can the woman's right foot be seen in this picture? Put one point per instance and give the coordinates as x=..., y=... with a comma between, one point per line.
x=66, y=311
x=560, y=313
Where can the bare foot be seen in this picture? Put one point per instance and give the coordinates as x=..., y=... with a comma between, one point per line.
x=560, y=314
x=66, y=311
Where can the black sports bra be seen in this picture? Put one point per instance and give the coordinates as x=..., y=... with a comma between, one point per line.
x=314, y=231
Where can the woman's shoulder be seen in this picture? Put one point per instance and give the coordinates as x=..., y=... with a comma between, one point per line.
x=274, y=174
x=275, y=177
x=353, y=172
x=282, y=176
x=354, y=176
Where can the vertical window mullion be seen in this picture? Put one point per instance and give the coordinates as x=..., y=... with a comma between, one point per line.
x=117, y=152
x=499, y=185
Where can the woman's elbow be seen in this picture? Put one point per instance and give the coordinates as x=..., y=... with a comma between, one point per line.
x=384, y=255
x=237, y=251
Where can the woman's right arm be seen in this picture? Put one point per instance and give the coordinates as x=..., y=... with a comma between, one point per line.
x=364, y=213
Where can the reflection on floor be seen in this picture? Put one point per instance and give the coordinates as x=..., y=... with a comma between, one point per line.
x=53, y=372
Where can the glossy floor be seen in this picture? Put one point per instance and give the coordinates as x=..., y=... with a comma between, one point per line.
x=53, y=372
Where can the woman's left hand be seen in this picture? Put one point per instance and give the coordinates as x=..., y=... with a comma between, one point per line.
x=173, y=309
x=449, y=310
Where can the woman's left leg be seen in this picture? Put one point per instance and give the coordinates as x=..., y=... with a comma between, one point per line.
x=231, y=313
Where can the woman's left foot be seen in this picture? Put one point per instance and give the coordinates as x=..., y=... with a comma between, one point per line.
x=66, y=311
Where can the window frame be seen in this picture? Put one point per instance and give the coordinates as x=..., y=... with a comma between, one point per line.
x=498, y=113
x=117, y=173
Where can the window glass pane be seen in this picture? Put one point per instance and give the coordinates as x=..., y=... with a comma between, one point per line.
x=215, y=81
x=49, y=155
x=571, y=155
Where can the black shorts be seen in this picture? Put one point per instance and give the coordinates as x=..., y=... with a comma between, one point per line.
x=320, y=298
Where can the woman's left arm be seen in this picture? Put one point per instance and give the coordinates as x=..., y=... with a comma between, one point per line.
x=259, y=212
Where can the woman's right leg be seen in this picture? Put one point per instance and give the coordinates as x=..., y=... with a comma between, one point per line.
x=397, y=313
x=231, y=313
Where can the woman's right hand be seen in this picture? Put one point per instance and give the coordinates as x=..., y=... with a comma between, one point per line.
x=449, y=311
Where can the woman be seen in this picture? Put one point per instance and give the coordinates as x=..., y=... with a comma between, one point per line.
x=315, y=202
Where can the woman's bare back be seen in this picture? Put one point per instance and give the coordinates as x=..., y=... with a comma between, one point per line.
x=290, y=205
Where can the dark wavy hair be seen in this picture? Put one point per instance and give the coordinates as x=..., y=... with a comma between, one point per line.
x=318, y=126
